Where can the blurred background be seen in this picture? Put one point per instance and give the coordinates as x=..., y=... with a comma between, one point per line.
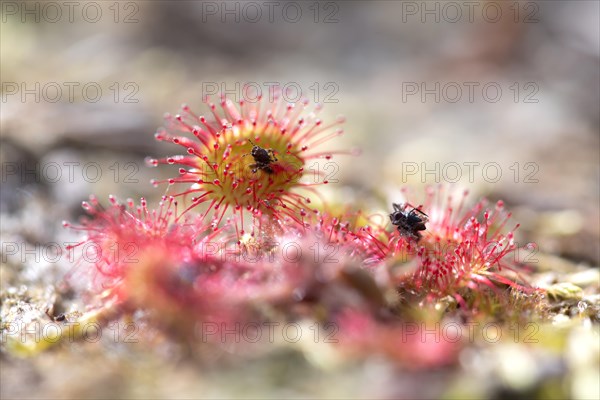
x=501, y=98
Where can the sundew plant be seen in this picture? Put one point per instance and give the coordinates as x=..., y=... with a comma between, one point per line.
x=242, y=235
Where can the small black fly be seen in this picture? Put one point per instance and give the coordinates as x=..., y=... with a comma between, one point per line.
x=263, y=158
x=409, y=223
